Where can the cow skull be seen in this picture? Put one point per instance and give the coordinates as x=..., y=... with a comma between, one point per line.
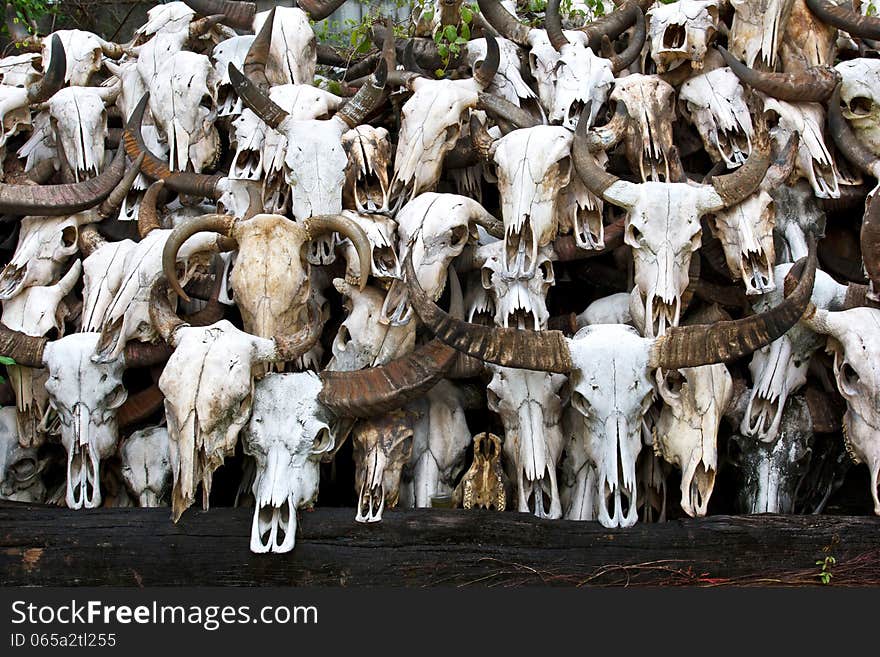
x=681, y=32
x=79, y=121
x=757, y=30
x=146, y=466
x=366, y=178
x=861, y=99
x=382, y=447
x=20, y=467
x=232, y=50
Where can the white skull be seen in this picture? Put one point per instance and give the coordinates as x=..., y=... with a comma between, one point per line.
x=746, y=233
x=362, y=340
x=508, y=82
x=183, y=96
x=430, y=124
x=247, y=138
x=520, y=301
x=229, y=51
x=611, y=390
x=156, y=52
x=613, y=309
x=814, y=161
x=579, y=208
x=533, y=166
x=695, y=399
x=44, y=246
x=85, y=395
x=649, y=102
x=715, y=104
x=757, y=30
x=681, y=32
x=146, y=466
x=20, y=468
x=780, y=369
x=570, y=79
x=79, y=119
x=167, y=17
x=15, y=115
x=83, y=52
x=861, y=99
x=531, y=411
x=366, y=179
x=19, y=71
x=382, y=233
x=292, y=50
x=287, y=455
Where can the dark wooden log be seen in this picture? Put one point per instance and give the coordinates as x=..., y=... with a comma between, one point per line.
x=142, y=547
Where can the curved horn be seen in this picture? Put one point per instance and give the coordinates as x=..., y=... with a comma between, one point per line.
x=203, y=25
x=59, y=200
x=501, y=19
x=216, y=223
x=182, y=182
x=545, y=351
x=235, y=14
x=148, y=213
x=484, y=71
x=636, y=42
x=114, y=201
x=140, y=406
x=53, y=76
x=162, y=315
x=735, y=187
x=22, y=348
x=377, y=390
x=256, y=100
x=866, y=27
x=814, y=85
x=553, y=25
x=692, y=346
x=501, y=108
x=612, y=25
x=591, y=174
x=367, y=99
x=254, y=66
x=846, y=141
x=323, y=224
x=318, y=10
x=89, y=240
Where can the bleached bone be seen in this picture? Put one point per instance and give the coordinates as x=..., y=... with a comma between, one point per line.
x=232, y=50
x=861, y=99
x=83, y=52
x=292, y=53
x=681, y=32
x=247, y=137
x=367, y=187
x=780, y=369
x=519, y=301
x=18, y=70
x=183, y=97
x=287, y=461
x=508, y=82
x=746, y=234
x=578, y=485
x=715, y=104
x=757, y=30
x=613, y=309
x=85, y=396
x=20, y=467
x=146, y=466
x=382, y=447
x=79, y=120
x=695, y=399
x=36, y=311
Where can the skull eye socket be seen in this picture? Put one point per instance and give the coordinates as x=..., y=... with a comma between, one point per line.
x=459, y=235
x=68, y=235
x=116, y=398
x=322, y=442
x=861, y=106
x=634, y=235
x=547, y=271
x=580, y=403
x=25, y=469
x=849, y=377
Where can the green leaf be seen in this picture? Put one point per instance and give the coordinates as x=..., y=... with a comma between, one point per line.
x=450, y=33
x=443, y=50
x=466, y=14
x=438, y=37
x=460, y=41
x=6, y=360
x=438, y=73
x=465, y=32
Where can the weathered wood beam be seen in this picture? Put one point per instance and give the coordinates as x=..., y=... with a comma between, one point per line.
x=133, y=547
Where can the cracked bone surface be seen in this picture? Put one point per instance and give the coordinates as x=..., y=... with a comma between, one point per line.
x=146, y=466
x=860, y=94
x=680, y=33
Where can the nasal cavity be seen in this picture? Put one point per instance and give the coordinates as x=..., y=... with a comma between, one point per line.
x=674, y=36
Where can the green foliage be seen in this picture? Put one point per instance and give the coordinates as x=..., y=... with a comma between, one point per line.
x=824, y=574
x=29, y=11
x=872, y=10
x=450, y=38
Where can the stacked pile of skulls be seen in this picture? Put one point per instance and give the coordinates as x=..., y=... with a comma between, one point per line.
x=232, y=245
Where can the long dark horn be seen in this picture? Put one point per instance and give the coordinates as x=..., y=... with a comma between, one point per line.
x=114, y=201
x=256, y=100
x=866, y=27
x=22, y=348
x=612, y=25
x=318, y=10
x=502, y=108
x=846, y=141
x=553, y=25
x=501, y=19
x=323, y=224
x=722, y=342
x=59, y=200
x=235, y=14
x=545, y=351
x=182, y=182
x=367, y=99
x=377, y=390
x=870, y=242
x=215, y=223
x=148, y=213
x=53, y=76
x=591, y=174
x=636, y=43
x=484, y=71
x=140, y=406
x=814, y=85
x=254, y=66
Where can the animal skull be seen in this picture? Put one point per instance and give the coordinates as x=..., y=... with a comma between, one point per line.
x=232, y=50
x=861, y=99
x=20, y=467
x=79, y=121
x=366, y=178
x=292, y=51
x=382, y=447
x=757, y=30
x=146, y=466
x=681, y=32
